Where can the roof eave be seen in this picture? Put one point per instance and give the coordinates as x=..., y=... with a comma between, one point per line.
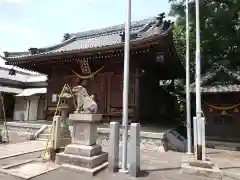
x=134, y=44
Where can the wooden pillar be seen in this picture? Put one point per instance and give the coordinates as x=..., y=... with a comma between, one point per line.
x=46, y=98
x=109, y=85
x=137, y=93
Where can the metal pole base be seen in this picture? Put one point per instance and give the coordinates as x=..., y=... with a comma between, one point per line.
x=199, y=152
x=125, y=171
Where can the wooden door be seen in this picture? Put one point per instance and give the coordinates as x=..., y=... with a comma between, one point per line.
x=98, y=88
x=116, y=94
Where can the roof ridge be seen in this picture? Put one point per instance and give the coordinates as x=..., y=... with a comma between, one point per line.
x=111, y=29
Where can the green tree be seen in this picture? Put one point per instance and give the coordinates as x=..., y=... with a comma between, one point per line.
x=220, y=30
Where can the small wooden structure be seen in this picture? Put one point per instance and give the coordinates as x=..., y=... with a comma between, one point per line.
x=97, y=57
x=221, y=102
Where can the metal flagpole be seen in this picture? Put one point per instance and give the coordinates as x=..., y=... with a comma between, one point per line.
x=188, y=97
x=125, y=85
x=198, y=90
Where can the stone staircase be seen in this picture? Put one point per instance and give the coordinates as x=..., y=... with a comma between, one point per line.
x=176, y=141
x=44, y=135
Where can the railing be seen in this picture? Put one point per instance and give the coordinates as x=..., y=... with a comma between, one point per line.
x=40, y=131
x=176, y=140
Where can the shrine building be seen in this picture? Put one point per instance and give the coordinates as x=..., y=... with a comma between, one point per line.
x=97, y=57
x=220, y=87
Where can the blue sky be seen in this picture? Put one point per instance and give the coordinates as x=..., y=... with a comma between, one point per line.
x=39, y=23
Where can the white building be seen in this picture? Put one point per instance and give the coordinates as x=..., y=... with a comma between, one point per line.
x=23, y=92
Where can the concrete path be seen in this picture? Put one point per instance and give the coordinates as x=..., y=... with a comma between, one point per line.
x=227, y=161
x=11, y=150
x=154, y=165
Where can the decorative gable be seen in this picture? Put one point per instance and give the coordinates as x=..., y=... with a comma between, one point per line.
x=219, y=79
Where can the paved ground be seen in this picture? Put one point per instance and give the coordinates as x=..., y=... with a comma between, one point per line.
x=9, y=150
x=154, y=165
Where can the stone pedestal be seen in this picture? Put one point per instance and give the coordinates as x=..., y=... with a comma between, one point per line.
x=83, y=154
x=201, y=168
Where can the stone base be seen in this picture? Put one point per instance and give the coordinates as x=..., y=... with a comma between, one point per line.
x=83, y=150
x=83, y=158
x=91, y=172
x=83, y=154
x=201, y=168
x=81, y=161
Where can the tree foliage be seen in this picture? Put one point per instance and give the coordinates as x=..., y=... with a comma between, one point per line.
x=219, y=27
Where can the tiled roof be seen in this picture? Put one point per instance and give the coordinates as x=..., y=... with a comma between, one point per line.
x=210, y=75
x=135, y=26
x=99, y=38
x=220, y=88
x=17, y=69
x=22, y=75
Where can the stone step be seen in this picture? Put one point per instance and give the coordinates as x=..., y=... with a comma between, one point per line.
x=82, y=161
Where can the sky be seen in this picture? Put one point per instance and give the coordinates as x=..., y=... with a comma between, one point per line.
x=40, y=23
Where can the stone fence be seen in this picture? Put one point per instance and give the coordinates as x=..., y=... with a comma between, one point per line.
x=20, y=132
x=150, y=141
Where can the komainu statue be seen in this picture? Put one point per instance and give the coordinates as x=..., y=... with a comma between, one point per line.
x=85, y=103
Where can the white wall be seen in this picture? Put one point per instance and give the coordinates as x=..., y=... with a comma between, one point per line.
x=26, y=108
x=20, y=108
x=33, y=109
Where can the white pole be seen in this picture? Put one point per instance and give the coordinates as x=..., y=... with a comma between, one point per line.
x=188, y=97
x=203, y=140
x=195, y=135
x=125, y=85
x=198, y=78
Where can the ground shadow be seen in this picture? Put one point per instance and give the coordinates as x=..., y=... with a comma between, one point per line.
x=214, y=152
x=163, y=169
x=143, y=173
x=230, y=168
